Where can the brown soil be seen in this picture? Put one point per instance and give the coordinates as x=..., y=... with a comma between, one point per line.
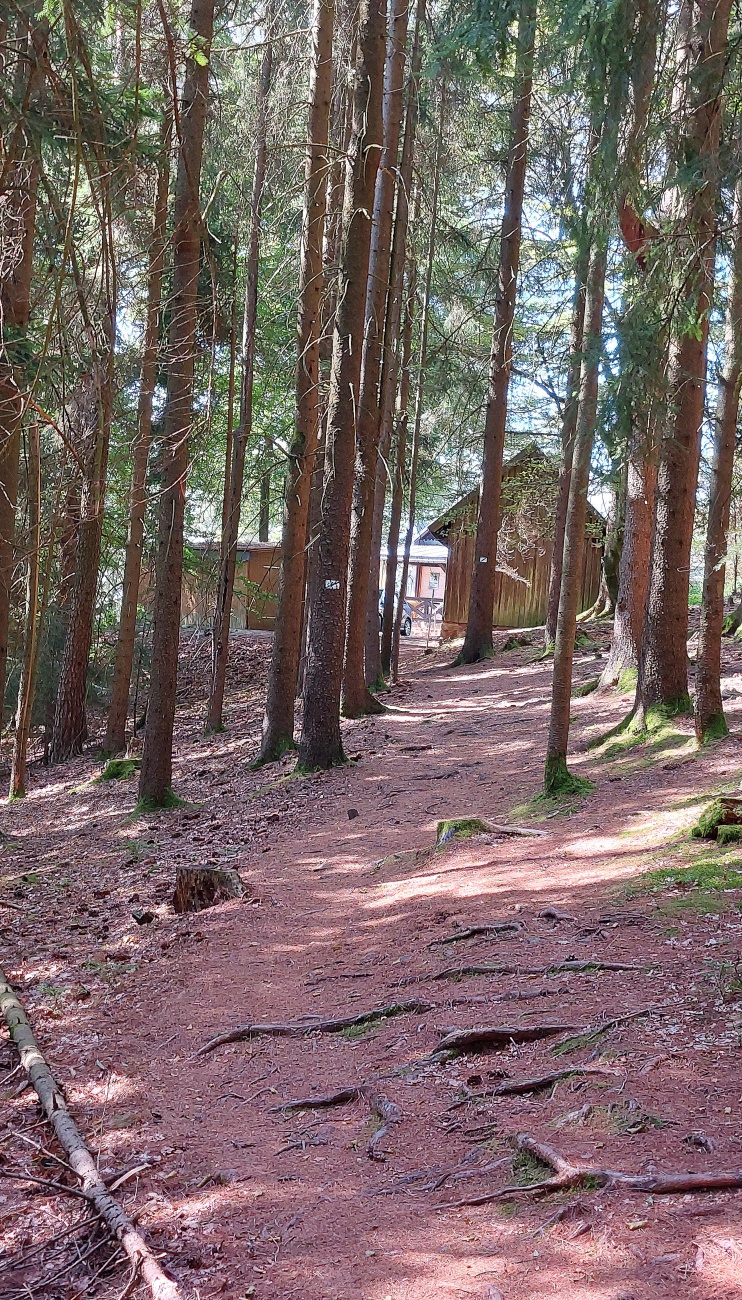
x=345, y=905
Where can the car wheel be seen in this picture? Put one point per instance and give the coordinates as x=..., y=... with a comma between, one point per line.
x=407, y=627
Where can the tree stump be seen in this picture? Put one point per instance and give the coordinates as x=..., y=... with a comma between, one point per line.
x=200, y=887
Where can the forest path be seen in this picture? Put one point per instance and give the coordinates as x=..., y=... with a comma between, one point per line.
x=246, y=1201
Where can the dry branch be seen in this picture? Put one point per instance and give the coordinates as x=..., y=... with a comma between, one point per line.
x=515, y=1087
x=493, y=927
x=70, y=1139
x=559, y=968
x=479, y=1038
x=571, y=1174
x=294, y=1028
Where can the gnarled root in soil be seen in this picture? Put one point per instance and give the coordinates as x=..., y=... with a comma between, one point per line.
x=294, y=1028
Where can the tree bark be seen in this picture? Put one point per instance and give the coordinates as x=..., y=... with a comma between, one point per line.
x=321, y=743
x=478, y=638
x=633, y=573
x=228, y=550
x=116, y=730
x=709, y=710
x=379, y=650
x=27, y=683
x=420, y=383
x=663, y=673
x=17, y=230
x=356, y=697
x=156, y=772
x=556, y=777
x=400, y=464
x=278, y=722
x=569, y=422
x=94, y=418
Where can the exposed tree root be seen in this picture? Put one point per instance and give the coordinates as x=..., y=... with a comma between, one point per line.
x=389, y=1113
x=591, y=1035
x=340, y=1098
x=293, y=1029
x=571, y=1174
x=516, y=1087
x=458, y=972
x=479, y=1039
x=81, y=1161
x=493, y=927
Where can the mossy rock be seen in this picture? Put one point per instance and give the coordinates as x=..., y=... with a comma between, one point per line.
x=726, y=811
x=118, y=769
x=461, y=828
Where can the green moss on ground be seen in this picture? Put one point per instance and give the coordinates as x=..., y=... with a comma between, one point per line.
x=528, y=1169
x=707, y=826
x=117, y=769
x=461, y=828
x=729, y=834
x=587, y=688
x=170, y=800
x=560, y=783
x=712, y=874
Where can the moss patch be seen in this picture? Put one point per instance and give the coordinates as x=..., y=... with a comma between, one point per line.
x=169, y=800
x=627, y=680
x=715, y=818
x=710, y=874
x=560, y=783
x=461, y=828
x=118, y=769
x=716, y=729
x=528, y=1169
x=587, y=688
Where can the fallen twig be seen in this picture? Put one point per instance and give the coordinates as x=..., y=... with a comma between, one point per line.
x=297, y=1027
x=559, y=968
x=516, y=1087
x=389, y=1113
x=68, y=1135
x=492, y=927
x=474, y=1040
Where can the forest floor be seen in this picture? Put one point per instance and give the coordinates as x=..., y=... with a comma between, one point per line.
x=350, y=909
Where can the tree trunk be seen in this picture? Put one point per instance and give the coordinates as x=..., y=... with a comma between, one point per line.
x=321, y=743
x=379, y=650
x=556, y=777
x=709, y=711
x=94, y=416
x=478, y=639
x=633, y=573
x=27, y=684
x=156, y=773
x=400, y=461
x=663, y=672
x=17, y=230
x=420, y=385
x=116, y=731
x=228, y=550
x=569, y=422
x=356, y=697
x=278, y=723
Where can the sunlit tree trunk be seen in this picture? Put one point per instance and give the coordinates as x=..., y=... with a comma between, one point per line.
x=356, y=697
x=116, y=730
x=321, y=743
x=478, y=638
x=156, y=772
x=278, y=723
x=556, y=776
x=663, y=670
x=228, y=551
x=709, y=709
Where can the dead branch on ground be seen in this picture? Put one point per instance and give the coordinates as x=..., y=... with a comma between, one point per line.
x=295, y=1028
x=68, y=1135
x=559, y=968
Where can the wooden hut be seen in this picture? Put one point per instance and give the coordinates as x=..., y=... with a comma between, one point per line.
x=256, y=581
x=524, y=547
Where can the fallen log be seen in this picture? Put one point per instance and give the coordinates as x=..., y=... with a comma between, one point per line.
x=573, y=1174
x=294, y=1028
x=80, y=1159
x=559, y=968
x=482, y=1037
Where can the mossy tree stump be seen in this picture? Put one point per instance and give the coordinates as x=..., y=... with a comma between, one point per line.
x=199, y=887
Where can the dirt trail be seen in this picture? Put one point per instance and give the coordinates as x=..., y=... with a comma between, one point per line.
x=346, y=913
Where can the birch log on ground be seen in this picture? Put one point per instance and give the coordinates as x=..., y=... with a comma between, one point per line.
x=80, y=1159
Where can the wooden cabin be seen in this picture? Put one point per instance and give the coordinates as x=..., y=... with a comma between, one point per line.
x=255, y=585
x=524, y=547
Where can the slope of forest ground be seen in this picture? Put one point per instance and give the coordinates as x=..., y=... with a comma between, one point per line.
x=346, y=910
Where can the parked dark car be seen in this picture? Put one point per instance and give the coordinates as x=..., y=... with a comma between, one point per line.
x=406, y=628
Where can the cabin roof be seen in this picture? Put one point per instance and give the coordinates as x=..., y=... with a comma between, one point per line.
x=439, y=528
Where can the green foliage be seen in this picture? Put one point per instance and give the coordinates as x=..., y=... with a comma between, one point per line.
x=118, y=769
